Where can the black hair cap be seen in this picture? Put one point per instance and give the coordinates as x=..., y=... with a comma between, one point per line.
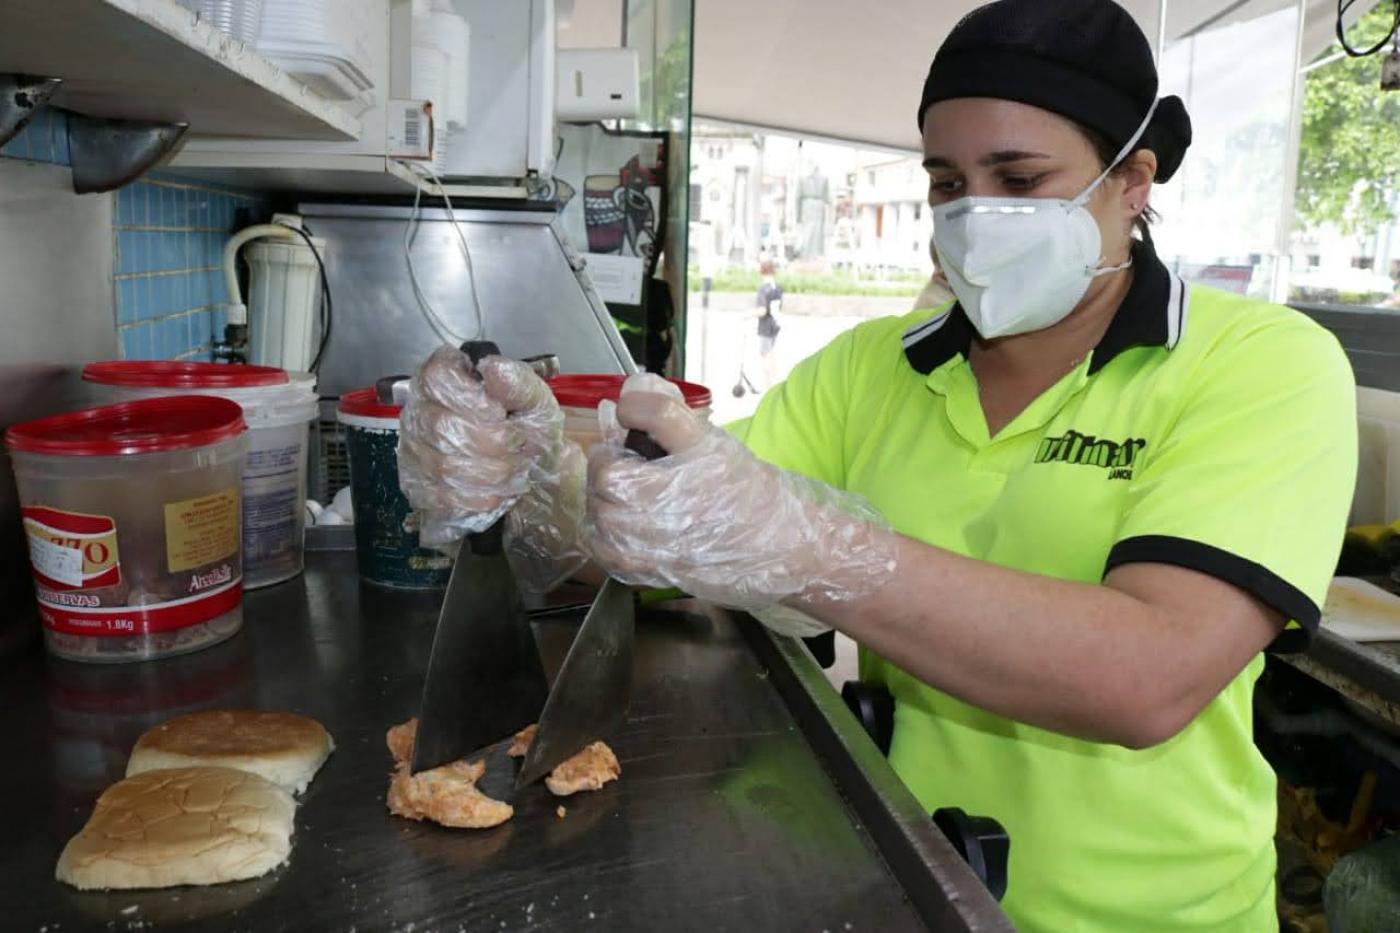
x=1082, y=59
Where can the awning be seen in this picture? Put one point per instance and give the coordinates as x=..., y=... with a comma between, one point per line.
x=853, y=71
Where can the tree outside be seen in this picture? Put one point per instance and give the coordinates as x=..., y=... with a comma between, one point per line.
x=1349, y=163
x=1348, y=201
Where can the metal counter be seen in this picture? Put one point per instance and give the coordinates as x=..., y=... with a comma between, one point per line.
x=748, y=799
x=1366, y=673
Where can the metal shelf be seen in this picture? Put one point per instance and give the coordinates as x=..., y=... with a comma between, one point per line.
x=321, y=173
x=152, y=60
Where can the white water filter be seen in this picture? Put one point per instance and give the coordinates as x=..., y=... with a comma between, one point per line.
x=284, y=299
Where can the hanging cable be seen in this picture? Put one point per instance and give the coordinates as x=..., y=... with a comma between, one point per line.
x=466, y=250
x=1343, y=7
x=327, y=309
x=435, y=320
x=439, y=326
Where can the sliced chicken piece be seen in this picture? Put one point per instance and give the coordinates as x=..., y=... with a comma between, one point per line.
x=400, y=740
x=447, y=795
x=590, y=769
x=521, y=744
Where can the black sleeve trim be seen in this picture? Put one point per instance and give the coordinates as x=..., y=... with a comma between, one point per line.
x=1255, y=579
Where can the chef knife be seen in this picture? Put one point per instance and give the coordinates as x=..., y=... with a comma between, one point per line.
x=590, y=696
x=485, y=681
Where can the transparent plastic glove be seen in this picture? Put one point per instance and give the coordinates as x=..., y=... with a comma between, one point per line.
x=788, y=621
x=717, y=522
x=471, y=449
x=544, y=531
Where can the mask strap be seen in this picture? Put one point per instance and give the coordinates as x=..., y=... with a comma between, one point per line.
x=1109, y=270
x=1122, y=154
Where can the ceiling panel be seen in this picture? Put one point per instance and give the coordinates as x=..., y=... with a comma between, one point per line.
x=828, y=68
x=854, y=71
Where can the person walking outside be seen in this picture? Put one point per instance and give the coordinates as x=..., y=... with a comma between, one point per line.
x=769, y=302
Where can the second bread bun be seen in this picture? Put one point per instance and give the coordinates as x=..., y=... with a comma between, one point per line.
x=285, y=748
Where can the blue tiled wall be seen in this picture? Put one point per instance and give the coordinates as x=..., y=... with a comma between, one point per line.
x=45, y=139
x=169, y=239
x=167, y=250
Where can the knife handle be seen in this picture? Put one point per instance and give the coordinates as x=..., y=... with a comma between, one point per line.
x=492, y=540
x=640, y=442
x=478, y=350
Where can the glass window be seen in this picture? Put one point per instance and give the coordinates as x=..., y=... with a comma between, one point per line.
x=1347, y=214
x=661, y=31
x=1223, y=214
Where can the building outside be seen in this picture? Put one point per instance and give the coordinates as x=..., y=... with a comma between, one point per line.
x=893, y=222
x=818, y=205
x=1330, y=266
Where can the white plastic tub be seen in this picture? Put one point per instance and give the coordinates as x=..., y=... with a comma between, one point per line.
x=131, y=516
x=277, y=407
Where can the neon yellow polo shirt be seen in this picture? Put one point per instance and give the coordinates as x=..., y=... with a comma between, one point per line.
x=1206, y=430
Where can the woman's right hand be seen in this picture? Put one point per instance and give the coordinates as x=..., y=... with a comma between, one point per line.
x=473, y=439
x=713, y=520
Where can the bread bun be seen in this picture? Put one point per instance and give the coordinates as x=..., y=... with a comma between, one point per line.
x=285, y=748
x=182, y=826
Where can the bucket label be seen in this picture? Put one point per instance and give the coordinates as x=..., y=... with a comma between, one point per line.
x=78, y=573
x=71, y=550
x=201, y=531
x=79, y=614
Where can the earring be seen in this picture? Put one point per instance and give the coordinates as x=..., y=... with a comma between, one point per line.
x=1133, y=208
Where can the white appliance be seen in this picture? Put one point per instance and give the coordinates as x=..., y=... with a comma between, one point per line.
x=597, y=84
x=504, y=135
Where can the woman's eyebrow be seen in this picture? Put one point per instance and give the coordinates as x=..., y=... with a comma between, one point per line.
x=1010, y=155
x=992, y=158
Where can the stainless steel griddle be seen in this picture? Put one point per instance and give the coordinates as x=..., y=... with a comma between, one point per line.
x=749, y=798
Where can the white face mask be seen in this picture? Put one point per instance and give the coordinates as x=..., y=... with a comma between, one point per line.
x=1022, y=264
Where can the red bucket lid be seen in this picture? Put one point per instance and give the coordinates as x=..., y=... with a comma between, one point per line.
x=366, y=404
x=148, y=426
x=586, y=391
x=173, y=374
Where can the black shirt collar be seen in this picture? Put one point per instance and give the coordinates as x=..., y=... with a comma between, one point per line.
x=1153, y=314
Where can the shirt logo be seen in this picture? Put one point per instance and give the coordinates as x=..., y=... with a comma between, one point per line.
x=1087, y=450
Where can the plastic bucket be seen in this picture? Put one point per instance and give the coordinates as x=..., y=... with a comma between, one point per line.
x=131, y=513
x=386, y=546
x=278, y=407
x=579, y=395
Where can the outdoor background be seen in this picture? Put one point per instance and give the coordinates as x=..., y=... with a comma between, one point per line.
x=849, y=227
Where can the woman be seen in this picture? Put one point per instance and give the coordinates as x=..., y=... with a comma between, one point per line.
x=1104, y=492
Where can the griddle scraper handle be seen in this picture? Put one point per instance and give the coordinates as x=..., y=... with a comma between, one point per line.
x=492, y=540
x=640, y=442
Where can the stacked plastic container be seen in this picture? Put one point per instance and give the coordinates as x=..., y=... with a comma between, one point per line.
x=277, y=407
x=441, y=40
x=239, y=18
x=324, y=43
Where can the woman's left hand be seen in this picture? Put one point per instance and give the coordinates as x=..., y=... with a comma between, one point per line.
x=715, y=521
